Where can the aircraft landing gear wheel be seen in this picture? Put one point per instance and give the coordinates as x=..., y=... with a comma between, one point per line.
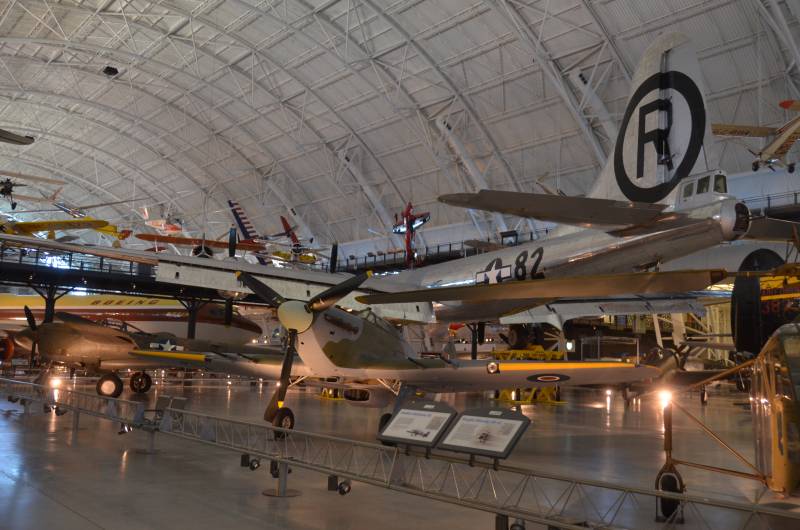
x=344, y=487
x=59, y=411
x=518, y=336
x=756, y=165
x=284, y=419
x=384, y=421
x=790, y=168
x=141, y=382
x=703, y=396
x=110, y=385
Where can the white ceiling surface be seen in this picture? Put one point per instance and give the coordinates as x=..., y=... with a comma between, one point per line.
x=258, y=101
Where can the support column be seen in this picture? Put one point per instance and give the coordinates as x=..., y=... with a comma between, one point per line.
x=192, y=306
x=51, y=296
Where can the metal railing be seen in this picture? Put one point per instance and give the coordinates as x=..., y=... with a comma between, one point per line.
x=510, y=492
x=74, y=261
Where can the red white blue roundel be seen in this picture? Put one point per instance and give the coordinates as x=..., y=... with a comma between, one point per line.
x=548, y=378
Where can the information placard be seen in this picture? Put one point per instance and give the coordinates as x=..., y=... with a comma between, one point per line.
x=485, y=432
x=419, y=422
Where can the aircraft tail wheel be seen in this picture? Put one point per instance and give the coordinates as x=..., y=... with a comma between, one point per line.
x=141, y=382
x=344, y=487
x=284, y=419
x=110, y=385
x=669, y=509
x=382, y=423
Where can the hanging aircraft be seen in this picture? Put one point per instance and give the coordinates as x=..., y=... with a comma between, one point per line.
x=781, y=138
x=655, y=201
x=10, y=181
x=201, y=246
x=31, y=228
x=408, y=223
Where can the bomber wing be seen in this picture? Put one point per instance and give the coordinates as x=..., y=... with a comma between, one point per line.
x=598, y=285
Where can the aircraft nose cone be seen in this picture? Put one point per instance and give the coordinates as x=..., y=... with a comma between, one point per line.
x=295, y=315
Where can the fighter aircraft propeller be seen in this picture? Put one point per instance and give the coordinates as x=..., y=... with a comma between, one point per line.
x=296, y=316
x=35, y=342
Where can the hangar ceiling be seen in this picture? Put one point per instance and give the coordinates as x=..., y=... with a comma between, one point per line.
x=329, y=109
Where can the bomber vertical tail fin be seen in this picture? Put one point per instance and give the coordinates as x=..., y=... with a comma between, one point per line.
x=664, y=129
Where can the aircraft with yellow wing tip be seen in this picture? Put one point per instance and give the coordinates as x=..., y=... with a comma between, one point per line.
x=31, y=228
x=781, y=139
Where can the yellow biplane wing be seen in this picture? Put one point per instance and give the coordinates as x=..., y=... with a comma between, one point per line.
x=31, y=227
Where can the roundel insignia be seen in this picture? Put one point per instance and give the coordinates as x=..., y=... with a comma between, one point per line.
x=548, y=378
x=659, y=137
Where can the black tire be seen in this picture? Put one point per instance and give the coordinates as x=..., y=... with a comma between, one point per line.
x=384, y=421
x=284, y=419
x=518, y=336
x=141, y=382
x=110, y=385
x=756, y=165
x=791, y=168
x=670, y=483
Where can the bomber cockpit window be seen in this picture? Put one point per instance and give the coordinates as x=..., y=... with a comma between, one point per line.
x=720, y=184
x=688, y=189
x=702, y=185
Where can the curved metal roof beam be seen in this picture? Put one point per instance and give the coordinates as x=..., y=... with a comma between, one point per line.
x=43, y=165
x=117, y=132
x=231, y=97
x=141, y=59
x=461, y=98
x=294, y=75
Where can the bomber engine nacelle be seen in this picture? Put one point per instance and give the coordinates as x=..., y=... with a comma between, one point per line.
x=368, y=397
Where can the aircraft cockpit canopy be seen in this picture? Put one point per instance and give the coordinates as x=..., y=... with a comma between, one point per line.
x=694, y=186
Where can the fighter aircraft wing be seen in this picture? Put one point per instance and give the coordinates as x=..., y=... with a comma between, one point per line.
x=556, y=288
x=603, y=214
x=30, y=227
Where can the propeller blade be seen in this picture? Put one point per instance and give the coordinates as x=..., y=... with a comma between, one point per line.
x=261, y=290
x=29, y=318
x=330, y=296
x=276, y=402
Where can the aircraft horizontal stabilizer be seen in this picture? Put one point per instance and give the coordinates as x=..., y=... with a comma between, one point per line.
x=555, y=288
x=578, y=211
x=769, y=229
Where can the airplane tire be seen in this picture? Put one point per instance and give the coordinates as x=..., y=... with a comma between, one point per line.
x=756, y=165
x=110, y=385
x=384, y=421
x=141, y=382
x=790, y=168
x=518, y=336
x=284, y=419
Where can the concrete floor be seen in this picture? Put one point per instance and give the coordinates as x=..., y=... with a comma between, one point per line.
x=106, y=481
